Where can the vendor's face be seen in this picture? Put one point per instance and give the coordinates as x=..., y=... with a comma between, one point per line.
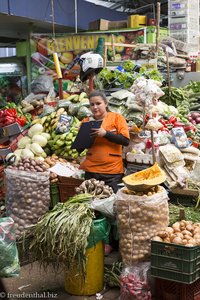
x=98, y=107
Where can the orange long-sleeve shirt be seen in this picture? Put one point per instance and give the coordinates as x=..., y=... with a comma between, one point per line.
x=105, y=156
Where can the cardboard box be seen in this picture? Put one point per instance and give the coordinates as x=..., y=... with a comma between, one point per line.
x=103, y=24
x=117, y=24
x=100, y=24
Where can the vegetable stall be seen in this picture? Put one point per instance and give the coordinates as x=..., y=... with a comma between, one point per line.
x=66, y=216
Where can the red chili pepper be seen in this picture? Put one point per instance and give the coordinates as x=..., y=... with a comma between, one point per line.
x=9, y=120
x=172, y=119
x=11, y=112
x=178, y=124
x=195, y=144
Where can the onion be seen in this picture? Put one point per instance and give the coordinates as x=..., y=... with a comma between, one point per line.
x=197, y=120
x=177, y=240
x=195, y=115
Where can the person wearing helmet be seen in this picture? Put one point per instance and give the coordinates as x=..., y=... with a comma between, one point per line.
x=104, y=159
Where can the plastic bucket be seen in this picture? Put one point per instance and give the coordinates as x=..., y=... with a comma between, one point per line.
x=93, y=283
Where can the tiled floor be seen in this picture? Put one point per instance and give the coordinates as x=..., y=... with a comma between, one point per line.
x=37, y=283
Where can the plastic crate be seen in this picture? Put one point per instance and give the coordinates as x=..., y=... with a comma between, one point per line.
x=67, y=188
x=175, y=262
x=169, y=290
x=54, y=194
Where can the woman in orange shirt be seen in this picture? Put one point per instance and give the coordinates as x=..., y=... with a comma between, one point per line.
x=104, y=159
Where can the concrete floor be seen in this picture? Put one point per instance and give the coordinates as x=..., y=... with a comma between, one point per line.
x=37, y=283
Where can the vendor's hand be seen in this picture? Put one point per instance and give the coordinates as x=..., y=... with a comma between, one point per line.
x=100, y=132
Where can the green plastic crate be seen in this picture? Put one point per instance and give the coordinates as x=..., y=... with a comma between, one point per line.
x=175, y=262
x=54, y=194
x=175, y=276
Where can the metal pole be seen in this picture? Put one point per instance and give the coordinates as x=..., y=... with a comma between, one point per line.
x=157, y=27
x=76, y=17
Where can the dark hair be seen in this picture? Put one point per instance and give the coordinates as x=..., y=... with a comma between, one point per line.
x=98, y=93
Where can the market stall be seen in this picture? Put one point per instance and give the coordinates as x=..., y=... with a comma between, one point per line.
x=49, y=201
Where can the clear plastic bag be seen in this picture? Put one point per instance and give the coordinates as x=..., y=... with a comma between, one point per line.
x=27, y=197
x=139, y=218
x=134, y=282
x=42, y=83
x=105, y=206
x=9, y=260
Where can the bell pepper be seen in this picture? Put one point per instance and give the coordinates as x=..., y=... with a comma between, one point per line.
x=21, y=121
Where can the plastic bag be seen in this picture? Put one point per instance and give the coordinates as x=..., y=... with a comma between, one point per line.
x=139, y=218
x=83, y=112
x=42, y=83
x=134, y=282
x=99, y=232
x=9, y=260
x=104, y=206
x=27, y=197
x=64, y=123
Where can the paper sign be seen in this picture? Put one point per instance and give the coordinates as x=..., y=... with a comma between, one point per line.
x=62, y=170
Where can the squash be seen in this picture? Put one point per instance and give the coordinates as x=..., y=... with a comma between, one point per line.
x=145, y=179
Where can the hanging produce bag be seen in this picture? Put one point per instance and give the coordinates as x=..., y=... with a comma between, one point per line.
x=139, y=219
x=27, y=197
x=9, y=261
x=134, y=282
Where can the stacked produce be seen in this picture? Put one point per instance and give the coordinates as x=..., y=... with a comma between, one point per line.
x=27, y=193
x=50, y=161
x=31, y=146
x=124, y=77
x=184, y=233
x=142, y=210
x=11, y=113
x=96, y=188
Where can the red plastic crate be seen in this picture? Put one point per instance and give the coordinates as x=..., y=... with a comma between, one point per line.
x=170, y=290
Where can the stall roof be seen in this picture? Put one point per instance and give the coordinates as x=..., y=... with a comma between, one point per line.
x=133, y=7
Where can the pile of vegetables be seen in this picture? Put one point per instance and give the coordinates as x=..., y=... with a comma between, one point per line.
x=94, y=187
x=194, y=118
x=61, y=235
x=191, y=214
x=29, y=164
x=112, y=274
x=50, y=161
x=31, y=146
x=124, y=78
x=184, y=233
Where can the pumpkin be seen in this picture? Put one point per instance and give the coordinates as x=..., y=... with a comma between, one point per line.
x=145, y=179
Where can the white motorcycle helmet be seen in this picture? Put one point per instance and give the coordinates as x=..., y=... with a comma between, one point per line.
x=92, y=63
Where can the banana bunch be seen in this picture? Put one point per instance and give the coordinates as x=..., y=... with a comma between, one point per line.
x=50, y=122
x=78, y=98
x=60, y=144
